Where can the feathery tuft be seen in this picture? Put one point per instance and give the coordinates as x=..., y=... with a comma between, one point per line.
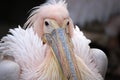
x=36, y=63
x=36, y=14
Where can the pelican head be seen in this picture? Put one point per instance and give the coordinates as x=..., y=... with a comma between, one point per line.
x=53, y=25
x=58, y=37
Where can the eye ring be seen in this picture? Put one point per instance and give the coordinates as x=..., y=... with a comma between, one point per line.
x=46, y=23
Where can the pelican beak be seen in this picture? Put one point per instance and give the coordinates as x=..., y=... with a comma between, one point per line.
x=62, y=48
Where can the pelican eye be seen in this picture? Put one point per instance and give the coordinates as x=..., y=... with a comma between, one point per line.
x=46, y=23
x=68, y=23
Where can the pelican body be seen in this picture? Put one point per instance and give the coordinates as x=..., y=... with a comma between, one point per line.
x=50, y=48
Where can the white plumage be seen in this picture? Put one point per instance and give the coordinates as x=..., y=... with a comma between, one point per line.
x=36, y=60
x=29, y=52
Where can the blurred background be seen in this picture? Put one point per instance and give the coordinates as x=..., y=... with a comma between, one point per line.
x=98, y=19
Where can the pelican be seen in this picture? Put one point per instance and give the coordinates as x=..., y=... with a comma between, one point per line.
x=50, y=48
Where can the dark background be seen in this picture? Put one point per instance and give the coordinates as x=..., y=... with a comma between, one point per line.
x=15, y=12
